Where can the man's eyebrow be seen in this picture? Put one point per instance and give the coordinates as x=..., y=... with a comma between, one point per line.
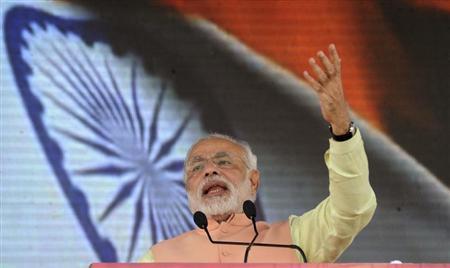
x=199, y=158
x=196, y=158
x=221, y=154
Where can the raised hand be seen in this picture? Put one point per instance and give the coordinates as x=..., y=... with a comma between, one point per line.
x=328, y=86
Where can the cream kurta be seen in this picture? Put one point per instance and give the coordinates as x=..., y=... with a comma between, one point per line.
x=323, y=232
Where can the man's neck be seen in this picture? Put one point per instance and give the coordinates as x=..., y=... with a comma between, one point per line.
x=221, y=218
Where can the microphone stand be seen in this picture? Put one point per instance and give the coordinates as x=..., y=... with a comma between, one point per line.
x=224, y=242
x=201, y=221
x=257, y=244
x=252, y=242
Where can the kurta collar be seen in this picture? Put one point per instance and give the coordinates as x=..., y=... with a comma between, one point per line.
x=236, y=219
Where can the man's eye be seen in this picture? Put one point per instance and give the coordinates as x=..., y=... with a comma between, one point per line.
x=223, y=163
x=196, y=168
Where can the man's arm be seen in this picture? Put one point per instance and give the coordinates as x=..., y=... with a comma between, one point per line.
x=326, y=231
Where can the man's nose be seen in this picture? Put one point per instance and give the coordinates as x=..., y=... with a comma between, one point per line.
x=210, y=169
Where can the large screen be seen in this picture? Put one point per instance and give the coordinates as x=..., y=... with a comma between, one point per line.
x=100, y=103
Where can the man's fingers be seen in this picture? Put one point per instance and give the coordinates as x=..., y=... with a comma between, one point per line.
x=326, y=62
x=335, y=57
x=312, y=82
x=321, y=75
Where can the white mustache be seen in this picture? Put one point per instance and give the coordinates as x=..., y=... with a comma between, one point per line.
x=223, y=204
x=214, y=179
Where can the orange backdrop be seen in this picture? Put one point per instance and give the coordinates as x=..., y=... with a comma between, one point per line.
x=289, y=32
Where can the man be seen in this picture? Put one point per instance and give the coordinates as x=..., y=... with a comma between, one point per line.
x=221, y=173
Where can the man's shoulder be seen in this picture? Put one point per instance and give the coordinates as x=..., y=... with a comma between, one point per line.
x=263, y=225
x=183, y=238
x=275, y=231
x=186, y=246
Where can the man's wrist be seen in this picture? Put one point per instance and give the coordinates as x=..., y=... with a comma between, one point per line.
x=341, y=135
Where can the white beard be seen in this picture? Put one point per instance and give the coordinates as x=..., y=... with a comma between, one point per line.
x=221, y=205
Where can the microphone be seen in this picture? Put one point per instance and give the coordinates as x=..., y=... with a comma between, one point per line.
x=202, y=222
x=249, y=209
x=250, y=212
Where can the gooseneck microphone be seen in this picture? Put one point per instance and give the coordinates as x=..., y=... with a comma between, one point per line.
x=250, y=212
x=202, y=223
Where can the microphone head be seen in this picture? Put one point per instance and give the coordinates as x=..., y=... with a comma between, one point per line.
x=249, y=209
x=200, y=220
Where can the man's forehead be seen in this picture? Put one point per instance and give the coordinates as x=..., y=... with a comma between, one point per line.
x=214, y=146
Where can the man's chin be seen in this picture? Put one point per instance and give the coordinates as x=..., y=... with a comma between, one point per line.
x=222, y=197
x=216, y=205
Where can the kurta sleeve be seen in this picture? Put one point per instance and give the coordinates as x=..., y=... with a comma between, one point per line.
x=327, y=230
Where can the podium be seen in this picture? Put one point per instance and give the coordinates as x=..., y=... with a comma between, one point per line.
x=268, y=265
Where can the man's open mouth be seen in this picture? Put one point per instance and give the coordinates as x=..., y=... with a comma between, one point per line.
x=214, y=189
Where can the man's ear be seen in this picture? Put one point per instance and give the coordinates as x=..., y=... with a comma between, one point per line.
x=254, y=180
